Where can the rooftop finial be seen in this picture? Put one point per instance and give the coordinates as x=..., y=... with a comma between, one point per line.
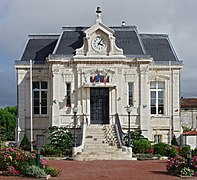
x=98, y=12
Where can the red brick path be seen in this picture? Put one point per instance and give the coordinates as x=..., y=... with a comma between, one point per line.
x=112, y=170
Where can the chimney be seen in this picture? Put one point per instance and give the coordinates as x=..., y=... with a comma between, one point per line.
x=123, y=23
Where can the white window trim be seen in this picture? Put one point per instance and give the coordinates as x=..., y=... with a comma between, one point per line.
x=164, y=99
x=40, y=107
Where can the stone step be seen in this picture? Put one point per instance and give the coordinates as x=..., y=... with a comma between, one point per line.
x=91, y=158
x=89, y=136
x=101, y=150
x=94, y=132
x=103, y=153
x=97, y=145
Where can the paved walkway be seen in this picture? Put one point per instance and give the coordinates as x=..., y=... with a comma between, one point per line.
x=112, y=170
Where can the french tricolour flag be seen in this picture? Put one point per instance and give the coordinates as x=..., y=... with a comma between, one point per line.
x=97, y=77
x=105, y=79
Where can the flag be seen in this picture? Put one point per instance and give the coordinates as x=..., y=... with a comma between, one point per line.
x=97, y=77
x=105, y=79
x=93, y=78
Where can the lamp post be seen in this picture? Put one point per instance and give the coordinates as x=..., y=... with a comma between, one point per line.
x=75, y=121
x=128, y=109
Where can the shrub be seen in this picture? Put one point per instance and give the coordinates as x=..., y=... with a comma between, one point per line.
x=172, y=151
x=143, y=156
x=35, y=171
x=179, y=165
x=141, y=146
x=193, y=164
x=184, y=151
x=161, y=148
x=25, y=144
x=135, y=136
x=16, y=161
x=49, y=150
x=52, y=171
x=186, y=171
x=60, y=138
x=194, y=152
x=176, y=164
x=174, y=141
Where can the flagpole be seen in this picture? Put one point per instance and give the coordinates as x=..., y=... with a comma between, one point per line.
x=31, y=122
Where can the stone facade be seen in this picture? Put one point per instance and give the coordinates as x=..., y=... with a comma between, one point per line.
x=189, y=113
x=98, y=63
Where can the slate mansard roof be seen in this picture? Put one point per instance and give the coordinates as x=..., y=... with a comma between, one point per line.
x=39, y=46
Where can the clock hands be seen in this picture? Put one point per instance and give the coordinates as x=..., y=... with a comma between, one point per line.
x=101, y=42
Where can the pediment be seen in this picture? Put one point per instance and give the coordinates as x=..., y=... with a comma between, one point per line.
x=95, y=36
x=99, y=26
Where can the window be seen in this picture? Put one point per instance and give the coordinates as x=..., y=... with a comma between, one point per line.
x=68, y=94
x=40, y=97
x=130, y=93
x=157, y=97
x=157, y=138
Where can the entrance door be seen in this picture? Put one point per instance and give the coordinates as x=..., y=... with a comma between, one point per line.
x=99, y=105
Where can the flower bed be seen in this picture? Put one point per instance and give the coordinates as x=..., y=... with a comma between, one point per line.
x=181, y=167
x=15, y=162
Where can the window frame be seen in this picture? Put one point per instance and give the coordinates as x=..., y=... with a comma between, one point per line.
x=130, y=100
x=158, y=96
x=157, y=138
x=40, y=97
x=68, y=94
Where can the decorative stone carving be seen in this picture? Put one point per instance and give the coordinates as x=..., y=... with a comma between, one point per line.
x=144, y=69
x=158, y=78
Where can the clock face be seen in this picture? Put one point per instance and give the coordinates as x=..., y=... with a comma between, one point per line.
x=99, y=43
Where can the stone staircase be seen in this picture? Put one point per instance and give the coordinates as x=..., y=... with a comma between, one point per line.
x=101, y=144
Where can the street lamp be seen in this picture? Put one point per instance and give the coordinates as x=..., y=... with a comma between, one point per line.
x=129, y=109
x=75, y=121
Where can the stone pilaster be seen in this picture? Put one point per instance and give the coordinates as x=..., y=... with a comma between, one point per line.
x=144, y=101
x=21, y=88
x=55, y=95
x=175, y=101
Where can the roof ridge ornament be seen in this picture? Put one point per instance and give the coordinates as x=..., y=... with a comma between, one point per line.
x=98, y=14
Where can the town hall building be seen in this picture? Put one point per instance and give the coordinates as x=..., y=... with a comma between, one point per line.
x=100, y=71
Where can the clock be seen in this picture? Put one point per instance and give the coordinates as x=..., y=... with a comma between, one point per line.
x=99, y=43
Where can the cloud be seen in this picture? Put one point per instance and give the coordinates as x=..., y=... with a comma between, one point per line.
x=8, y=87
x=18, y=18
x=5, y=6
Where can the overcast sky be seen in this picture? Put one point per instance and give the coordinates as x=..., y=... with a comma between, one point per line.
x=18, y=18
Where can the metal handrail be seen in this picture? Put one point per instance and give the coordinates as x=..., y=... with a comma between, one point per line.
x=119, y=132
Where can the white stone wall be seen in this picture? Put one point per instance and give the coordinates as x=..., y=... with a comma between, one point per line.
x=190, y=140
x=189, y=118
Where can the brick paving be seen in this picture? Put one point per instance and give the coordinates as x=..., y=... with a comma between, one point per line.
x=112, y=170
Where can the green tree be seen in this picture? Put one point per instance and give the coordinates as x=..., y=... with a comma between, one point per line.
x=25, y=144
x=60, y=138
x=174, y=141
x=8, y=117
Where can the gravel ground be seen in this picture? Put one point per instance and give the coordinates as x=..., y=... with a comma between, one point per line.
x=112, y=170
